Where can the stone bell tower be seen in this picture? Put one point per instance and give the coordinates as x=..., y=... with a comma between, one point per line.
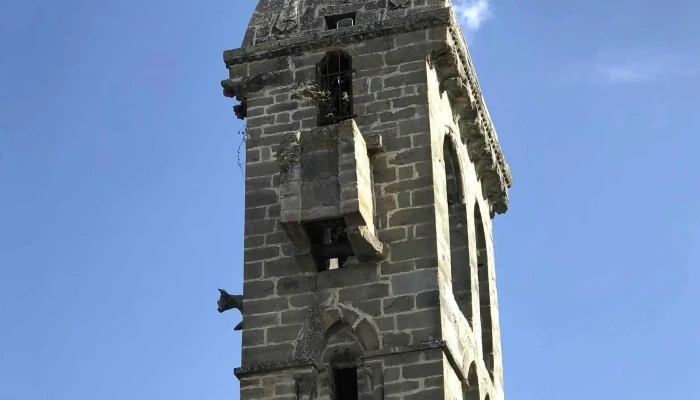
x=373, y=173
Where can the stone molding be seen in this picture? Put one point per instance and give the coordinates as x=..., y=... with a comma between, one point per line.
x=240, y=88
x=457, y=77
x=337, y=38
x=367, y=358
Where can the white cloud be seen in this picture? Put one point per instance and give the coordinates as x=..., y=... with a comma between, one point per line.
x=633, y=66
x=472, y=13
x=628, y=72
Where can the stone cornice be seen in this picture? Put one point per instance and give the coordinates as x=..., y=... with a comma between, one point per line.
x=337, y=37
x=457, y=77
x=367, y=356
x=241, y=87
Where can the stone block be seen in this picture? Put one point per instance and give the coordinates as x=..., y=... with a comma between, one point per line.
x=404, y=199
x=253, y=307
x=267, y=354
x=252, y=228
x=347, y=277
x=296, y=285
x=276, y=238
x=370, y=307
x=391, y=339
x=256, y=393
x=385, y=324
x=364, y=292
x=261, y=253
x=414, y=126
x=261, y=182
x=408, y=185
x=429, y=299
x=424, y=335
x=256, y=213
x=252, y=337
x=412, y=216
x=389, y=93
x=422, y=370
x=261, y=169
x=283, y=334
x=253, y=241
x=258, y=289
x=410, y=249
x=286, y=266
x=261, y=321
x=417, y=320
x=398, y=304
x=430, y=394
x=292, y=317
x=402, y=359
x=397, y=115
x=252, y=270
x=285, y=105
x=366, y=246
x=408, y=78
x=392, y=267
x=401, y=387
x=309, y=299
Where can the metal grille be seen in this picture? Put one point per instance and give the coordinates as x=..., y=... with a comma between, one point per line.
x=334, y=74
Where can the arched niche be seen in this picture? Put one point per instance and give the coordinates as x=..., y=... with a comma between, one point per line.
x=484, y=290
x=471, y=390
x=459, y=233
x=334, y=80
x=344, y=375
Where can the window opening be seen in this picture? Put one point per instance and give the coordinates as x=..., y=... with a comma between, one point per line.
x=340, y=21
x=452, y=175
x=345, y=383
x=459, y=231
x=484, y=291
x=330, y=245
x=334, y=75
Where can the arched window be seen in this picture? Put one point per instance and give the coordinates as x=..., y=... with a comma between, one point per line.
x=459, y=239
x=452, y=173
x=484, y=291
x=334, y=75
x=471, y=389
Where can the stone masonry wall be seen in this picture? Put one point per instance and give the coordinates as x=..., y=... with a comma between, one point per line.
x=401, y=309
x=463, y=339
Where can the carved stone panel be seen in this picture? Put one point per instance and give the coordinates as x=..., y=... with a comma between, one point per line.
x=287, y=20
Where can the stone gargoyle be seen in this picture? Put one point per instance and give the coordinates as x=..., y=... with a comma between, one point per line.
x=228, y=302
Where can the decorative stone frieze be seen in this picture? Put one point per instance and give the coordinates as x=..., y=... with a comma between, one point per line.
x=314, y=40
x=457, y=78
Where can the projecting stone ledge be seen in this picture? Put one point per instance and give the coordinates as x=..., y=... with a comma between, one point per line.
x=325, y=182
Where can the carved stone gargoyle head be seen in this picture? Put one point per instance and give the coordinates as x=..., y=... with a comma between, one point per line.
x=228, y=302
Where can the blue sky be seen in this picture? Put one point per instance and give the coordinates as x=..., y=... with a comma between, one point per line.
x=121, y=214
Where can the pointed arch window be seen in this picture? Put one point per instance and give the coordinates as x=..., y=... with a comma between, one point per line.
x=334, y=76
x=452, y=173
x=484, y=291
x=459, y=231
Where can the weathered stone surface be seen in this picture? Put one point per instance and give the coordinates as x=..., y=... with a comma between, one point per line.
x=403, y=299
